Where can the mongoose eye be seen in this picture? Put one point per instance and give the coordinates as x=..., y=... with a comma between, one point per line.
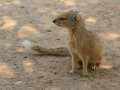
x=62, y=18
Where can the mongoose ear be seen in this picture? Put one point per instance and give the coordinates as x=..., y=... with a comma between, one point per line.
x=73, y=19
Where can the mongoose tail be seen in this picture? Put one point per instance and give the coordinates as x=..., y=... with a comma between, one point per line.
x=60, y=51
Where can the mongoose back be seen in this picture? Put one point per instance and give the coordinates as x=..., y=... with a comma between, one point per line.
x=83, y=45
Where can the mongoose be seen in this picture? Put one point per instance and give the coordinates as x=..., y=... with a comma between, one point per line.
x=83, y=45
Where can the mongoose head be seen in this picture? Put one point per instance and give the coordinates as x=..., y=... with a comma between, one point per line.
x=68, y=19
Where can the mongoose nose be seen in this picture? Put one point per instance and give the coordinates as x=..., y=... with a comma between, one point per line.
x=54, y=21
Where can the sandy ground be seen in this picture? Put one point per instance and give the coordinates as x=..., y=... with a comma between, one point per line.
x=21, y=20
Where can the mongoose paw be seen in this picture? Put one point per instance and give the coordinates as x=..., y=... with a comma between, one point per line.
x=94, y=67
x=78, y=66
x=85, y=74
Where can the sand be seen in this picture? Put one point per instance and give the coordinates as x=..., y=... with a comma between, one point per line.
x=22, y=69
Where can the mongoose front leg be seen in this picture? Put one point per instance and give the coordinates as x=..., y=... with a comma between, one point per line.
x=75, y=59
x=85, y=65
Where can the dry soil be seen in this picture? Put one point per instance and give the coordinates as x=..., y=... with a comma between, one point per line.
x=22, y=69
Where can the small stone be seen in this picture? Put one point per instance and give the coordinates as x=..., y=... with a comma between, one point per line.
x=50, y=81
x=9, y=0
x=30, y=22
x=22, y=7
x=41, y=75
x=57, y=38
x=75, y=78
x=48, y=30
x=25, y=56
x=55, y=72
x=18, y=82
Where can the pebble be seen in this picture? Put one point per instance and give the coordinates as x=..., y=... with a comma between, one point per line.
x=18, y=82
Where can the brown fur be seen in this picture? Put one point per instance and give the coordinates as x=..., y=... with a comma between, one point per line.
x=84, y=45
